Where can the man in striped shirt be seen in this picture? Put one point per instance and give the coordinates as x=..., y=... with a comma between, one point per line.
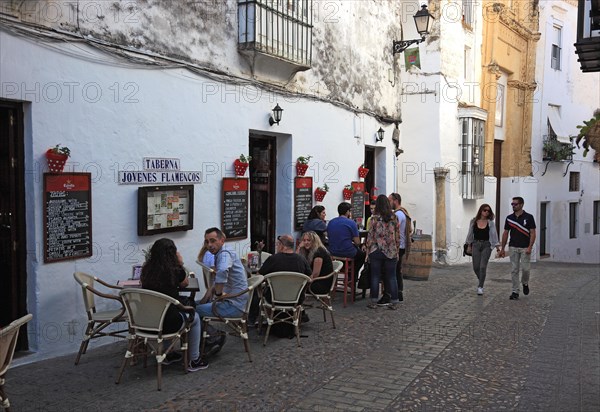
x=521, y=226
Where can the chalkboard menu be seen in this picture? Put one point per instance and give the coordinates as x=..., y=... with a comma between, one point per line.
x=358, y=201
x=67, y=216
x=234, y=219
x=302, y=200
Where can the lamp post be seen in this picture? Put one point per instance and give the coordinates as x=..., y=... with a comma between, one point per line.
x=423, y=22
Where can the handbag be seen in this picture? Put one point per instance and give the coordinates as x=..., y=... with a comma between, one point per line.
x=364, y=281
x=467, y=249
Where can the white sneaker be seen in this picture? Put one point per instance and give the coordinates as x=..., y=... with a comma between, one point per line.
x=480, y=291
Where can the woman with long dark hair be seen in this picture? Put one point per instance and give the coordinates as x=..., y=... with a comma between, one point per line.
x=315, y=222
x=482, y=238
x=163, y=272
x=383, y=243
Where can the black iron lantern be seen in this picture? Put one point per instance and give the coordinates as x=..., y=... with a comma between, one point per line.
x=380, y=134
x=423, y=22
x=276, y=116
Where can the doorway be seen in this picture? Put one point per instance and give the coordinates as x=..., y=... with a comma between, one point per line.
x=543, y=226
x=13, y=274
x=263, y=174
x=498, y=176
x=370, y=178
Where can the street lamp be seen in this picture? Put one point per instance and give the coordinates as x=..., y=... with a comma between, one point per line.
x=423, y=21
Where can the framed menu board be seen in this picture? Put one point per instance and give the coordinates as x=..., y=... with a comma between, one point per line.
x=358, y=200
x=164, y=209
x=67, y=216
x=234, y=217
x=303, y=198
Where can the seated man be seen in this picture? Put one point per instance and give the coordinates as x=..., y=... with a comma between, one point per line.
x=344, y=239
x=230, y=278
x=285, y=260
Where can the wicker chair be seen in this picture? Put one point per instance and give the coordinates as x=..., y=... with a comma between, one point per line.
x=239, y=325
x=8, y=342
x=283, y=306
x=98, y=320
x=146, y=310
x=324, y=299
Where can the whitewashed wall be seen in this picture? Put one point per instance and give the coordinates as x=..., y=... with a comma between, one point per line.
x=162, y=113
x=578, y=95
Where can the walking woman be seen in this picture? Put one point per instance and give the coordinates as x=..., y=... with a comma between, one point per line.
x=482, y=238
x=383, y=243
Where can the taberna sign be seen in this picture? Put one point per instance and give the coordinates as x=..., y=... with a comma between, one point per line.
x=159, y=170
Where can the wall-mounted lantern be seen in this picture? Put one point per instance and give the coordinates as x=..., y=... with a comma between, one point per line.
x=423, y=21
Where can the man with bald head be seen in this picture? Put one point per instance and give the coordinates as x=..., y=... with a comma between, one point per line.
x=285, y=259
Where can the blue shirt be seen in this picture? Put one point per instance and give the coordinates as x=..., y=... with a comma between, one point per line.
x=341, y=230
x=231, y=273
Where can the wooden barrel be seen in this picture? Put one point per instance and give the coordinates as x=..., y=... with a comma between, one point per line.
x=418, y=264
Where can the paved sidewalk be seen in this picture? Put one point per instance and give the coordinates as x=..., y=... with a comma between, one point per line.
x=444, y=349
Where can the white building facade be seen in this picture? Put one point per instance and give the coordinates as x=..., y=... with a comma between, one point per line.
x=568, y=189
x=121, y=81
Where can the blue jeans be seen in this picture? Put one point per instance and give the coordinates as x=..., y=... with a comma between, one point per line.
x=224, y=309
x=194, y=337
x=380, y=261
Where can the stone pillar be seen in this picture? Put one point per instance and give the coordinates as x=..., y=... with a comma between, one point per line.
x=440, y=214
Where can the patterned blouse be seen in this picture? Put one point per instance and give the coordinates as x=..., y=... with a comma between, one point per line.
x=384, y=236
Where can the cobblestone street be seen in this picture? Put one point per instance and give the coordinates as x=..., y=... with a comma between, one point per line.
x=444, y=349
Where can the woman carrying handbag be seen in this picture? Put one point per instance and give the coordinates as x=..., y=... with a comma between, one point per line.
x=482, y=238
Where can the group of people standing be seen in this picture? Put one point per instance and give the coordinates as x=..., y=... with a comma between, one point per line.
x=482, y=239
x=388, y=239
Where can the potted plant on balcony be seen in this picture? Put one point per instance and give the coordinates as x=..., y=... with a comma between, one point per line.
x=320, y=192
x=589, y=132
x=241, y=164
x=362, y=171
x=302, y=165
x=347, y=192
x=57, y=157
x=556, y=151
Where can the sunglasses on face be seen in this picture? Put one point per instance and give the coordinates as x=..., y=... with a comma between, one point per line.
x=515, y=204
x=486, y=210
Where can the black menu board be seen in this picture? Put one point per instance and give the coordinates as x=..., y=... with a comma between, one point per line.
x=358, y=205
x=234, y=219
x=302, y=200
x=67, y=216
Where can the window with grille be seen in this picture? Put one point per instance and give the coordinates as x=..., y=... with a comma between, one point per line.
x=574, y=182
x=472, y=157
x=573, y=210
x=556, y=47
x=468, y=12
x=280, y=28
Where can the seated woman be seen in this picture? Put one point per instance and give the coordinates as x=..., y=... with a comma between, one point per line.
x=164, y=273
x=319, y=260
x=316, y=223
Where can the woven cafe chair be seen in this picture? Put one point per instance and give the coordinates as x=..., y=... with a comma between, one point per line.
x=324, y=299
x=98, y=321
x=8, y=342
x=286, y=290
x=146, y=310
x=239, y=325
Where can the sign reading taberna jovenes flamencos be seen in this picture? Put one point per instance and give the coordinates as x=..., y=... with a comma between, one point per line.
x=160, y=171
